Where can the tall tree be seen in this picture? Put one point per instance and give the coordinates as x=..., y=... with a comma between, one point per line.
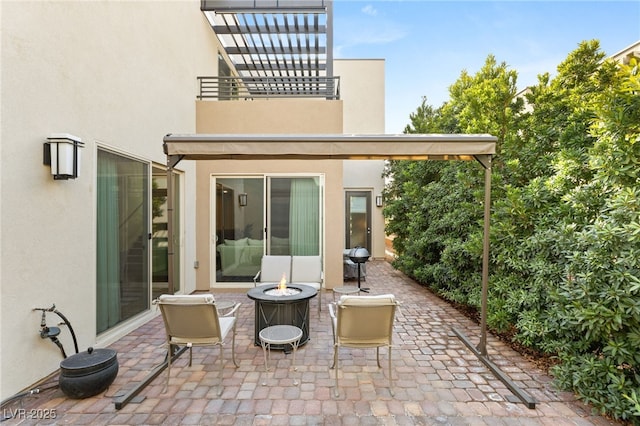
x=436, y=207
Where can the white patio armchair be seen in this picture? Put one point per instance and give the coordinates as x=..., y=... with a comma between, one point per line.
x=193, y=320
x=363, y=322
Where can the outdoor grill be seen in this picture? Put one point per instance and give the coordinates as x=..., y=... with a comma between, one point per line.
x=359, y=255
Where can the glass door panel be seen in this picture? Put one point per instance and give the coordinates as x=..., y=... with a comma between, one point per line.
x=239, y=222
x=358, y=214
x=159, y=236
x=122, y=263
x=294, y=216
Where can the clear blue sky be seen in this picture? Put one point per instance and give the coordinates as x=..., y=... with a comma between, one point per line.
x=427, y=44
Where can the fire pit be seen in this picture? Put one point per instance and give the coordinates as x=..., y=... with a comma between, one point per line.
x=279, y=291
x=282, y=305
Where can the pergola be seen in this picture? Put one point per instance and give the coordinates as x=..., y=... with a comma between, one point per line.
x=480, y=147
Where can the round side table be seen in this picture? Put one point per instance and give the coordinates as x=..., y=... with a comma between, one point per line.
x=280, y=335
x=224, y=305
x=347, y=289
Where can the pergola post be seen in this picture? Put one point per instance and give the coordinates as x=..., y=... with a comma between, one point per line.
x=481, y=349
x=486, y=162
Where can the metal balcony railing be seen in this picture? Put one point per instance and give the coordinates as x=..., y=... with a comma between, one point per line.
x=234, y=88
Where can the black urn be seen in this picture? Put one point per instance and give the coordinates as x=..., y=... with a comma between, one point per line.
x=88, y=373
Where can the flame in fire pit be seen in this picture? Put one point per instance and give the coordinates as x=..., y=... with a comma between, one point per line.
x=283, y=283
x=282, y=289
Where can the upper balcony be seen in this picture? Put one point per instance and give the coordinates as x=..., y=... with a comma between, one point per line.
x=269, y=87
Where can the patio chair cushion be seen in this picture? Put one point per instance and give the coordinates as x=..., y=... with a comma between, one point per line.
x=373, y=300
x=187, y=299
x=307, y=270
x=273, y=268
x=365, y=321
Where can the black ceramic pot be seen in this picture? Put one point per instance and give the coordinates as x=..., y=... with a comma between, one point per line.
x=88, y=373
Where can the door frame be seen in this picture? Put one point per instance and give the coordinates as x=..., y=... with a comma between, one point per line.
x=347, y=211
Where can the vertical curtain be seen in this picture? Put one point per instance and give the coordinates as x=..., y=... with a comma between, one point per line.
x=304, y=217
x=108, y=257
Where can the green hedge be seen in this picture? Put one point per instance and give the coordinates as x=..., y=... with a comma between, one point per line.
x=565, y=236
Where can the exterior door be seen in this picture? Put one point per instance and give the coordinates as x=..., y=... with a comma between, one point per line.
x=358, y=219
x=159, y=229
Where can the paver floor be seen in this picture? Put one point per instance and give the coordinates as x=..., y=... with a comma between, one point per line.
x=437, y=379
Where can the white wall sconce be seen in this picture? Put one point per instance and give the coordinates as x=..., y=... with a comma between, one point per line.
x=62, y=153
x=378, y=200
x=242, y=199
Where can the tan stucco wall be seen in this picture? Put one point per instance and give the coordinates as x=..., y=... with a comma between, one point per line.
x=271, y=116
x=119, y=75
x=362, y=91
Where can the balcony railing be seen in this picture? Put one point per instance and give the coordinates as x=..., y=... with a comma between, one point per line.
x=234, y=88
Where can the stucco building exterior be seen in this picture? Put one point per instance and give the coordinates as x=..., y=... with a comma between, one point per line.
x=119, y=76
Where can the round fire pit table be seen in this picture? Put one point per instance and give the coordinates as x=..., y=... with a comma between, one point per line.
x=289, y=309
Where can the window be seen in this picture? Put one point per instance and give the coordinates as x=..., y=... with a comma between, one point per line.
x=122, y=239
x=285, y=221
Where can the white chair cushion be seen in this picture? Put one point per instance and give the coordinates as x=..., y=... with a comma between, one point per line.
x=373, y=300
x=306, y=269
x=187, y=299
x=273, y=267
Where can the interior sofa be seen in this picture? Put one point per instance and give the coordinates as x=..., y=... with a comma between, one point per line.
x=240, y=257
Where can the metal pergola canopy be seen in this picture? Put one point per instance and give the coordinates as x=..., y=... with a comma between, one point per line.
x=480, y=147
x=274, y=38
x=328, y=146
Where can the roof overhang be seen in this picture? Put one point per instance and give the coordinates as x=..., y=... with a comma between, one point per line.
x=328, y=146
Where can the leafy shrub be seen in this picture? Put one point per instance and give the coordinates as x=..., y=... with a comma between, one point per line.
x=565, y=237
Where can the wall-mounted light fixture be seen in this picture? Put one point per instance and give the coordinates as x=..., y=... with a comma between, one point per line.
x=62, y=153
x=378, y=200
x=242, y=199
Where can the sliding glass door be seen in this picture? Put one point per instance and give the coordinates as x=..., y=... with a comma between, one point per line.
x=122, y=239
x=257, y=215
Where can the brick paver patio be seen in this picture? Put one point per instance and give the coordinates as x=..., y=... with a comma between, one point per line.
x=437, y=380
